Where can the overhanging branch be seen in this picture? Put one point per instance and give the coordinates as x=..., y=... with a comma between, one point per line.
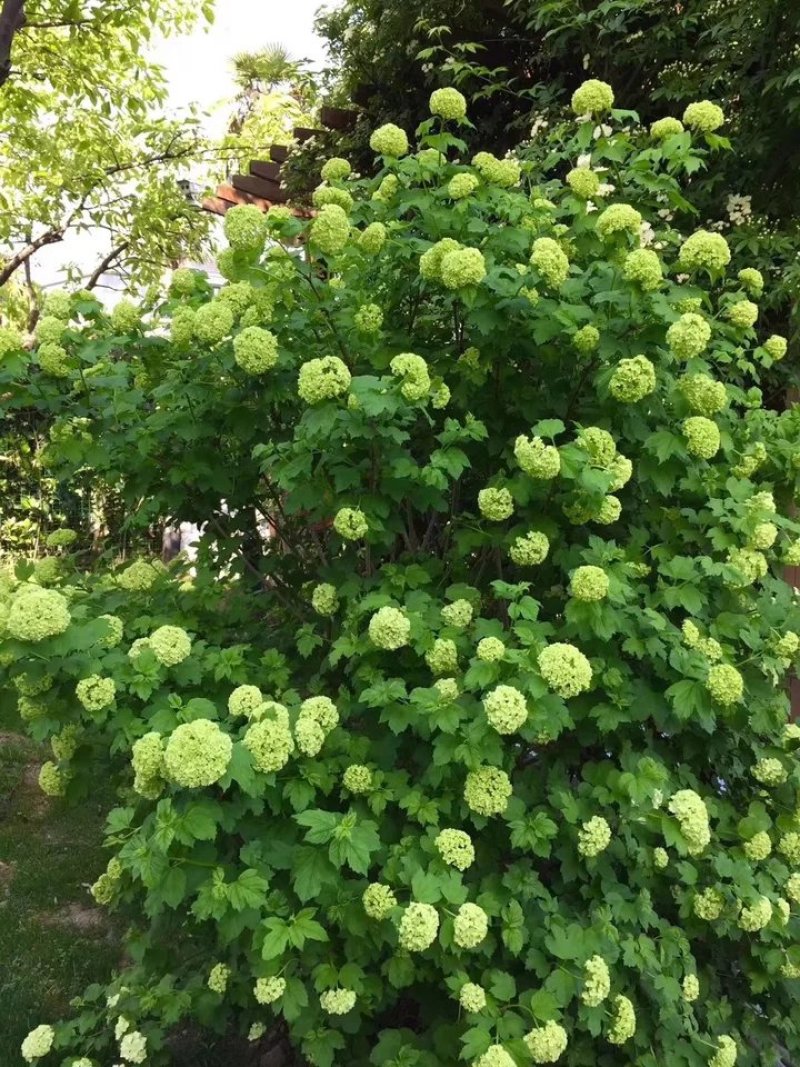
x=12, y=19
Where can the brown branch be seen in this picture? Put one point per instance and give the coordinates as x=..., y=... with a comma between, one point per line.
x=105, y=263
x=49, y=237
x=12, y=19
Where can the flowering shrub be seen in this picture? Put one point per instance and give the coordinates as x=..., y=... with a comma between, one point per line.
x=483, y=755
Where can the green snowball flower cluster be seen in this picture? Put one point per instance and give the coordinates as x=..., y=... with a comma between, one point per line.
x=618, y=218
x=769, y=771
x=727, y=1051
x=704, y=116
x=10, y=341
x=751, y=564
x=389, y=140
x=387, y=189
x=596, y=981
x=413, y=373
x=789, y=846
x=357, y=778
x=504, y=173
x=50, y=330
x=212, y=322
x=599, y=444
x=104, y=890
x=183, y=281
x=170, y=645
x=270, y=744
x=335, y=170
x=793, y=887
x=53, y=360
x=660, y=858
x=350, y=524
x=325, y=599
x=690, y=988
x=255, y=350
x=661, y=129
x=743, y=314
x=58, y=304
x=182, y=327
x=65, y=743
x=462, y=267
x=448, y=104
x=708, y=904
x=530, y=549
x=752, y=280
x=389, y=628
x=61, y=538
x=704, y=251
x=789, y=643
x=692, y=815
x=197, y=754
x=245, y=700
x=218, y=978
x=775, y=347
x=643, y=267
x=331, y=194
x=372, y=239
x=38, y=1043
x=550, y=260
x=594, y=837
x=703, y=394
x=456, y=848
x=506, y=709
x=268, y=990
x=51, y=780
x=566, y=670
x=758, y=847
x=418, y=928
x=487, y=791
x=245, y=228
x=589, y=583
x=457, y=614
x=472, y=997
x=323, y=379
x=583, y=181
x=147, y=760
x=756, y=917
x=36, y=614
x=470, y=926
x=126, y=317
x=586, y=339
x=495, y=504
x=592, y=97
x=689, y=336
x=378, y=901
x=702, y=436
x=546, y=1044
x=632, y=380
x=490, y=650
x=430, y=262
x=447, y=688
x=462, y=186
x=536, y=458
x=763, y=536
x=96, y=693
x=623, y=1021
x=368, y=319
x=337, y=1001
x=725, y=684
x=442, y=657
x=330, y=230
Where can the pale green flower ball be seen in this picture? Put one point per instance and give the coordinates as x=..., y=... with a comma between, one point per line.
x=586, y=339
x=350, y=524
x=430, y=262
x=61, y=538
x=270, y=745
x=769, y=771
x=197, y=754
x=689, y=336
x=324, y=599
x=323, y=379
x=372, y=239
x=490, y=650
x=10, y=341
x=50, y=330
x=702, y=436
x=495, y=504
x=96, y=693
x=335, y=170
x=726, y=1053
x=337, y=1001
x=133, y=1047
x=378, y=901
x=170, y=645
x=255, y=350
x=583, y=182
x=503, y=172
x=472, y=997
x=788, y=644
x=704, y=251
x=704, y=116
x=268, y=990
x=330, y=230
x=536, y=458
x=442, y=658
x=752, y=280
x=599, y=444
x=183, y=281
x=742, y=314
x=38, y=1043
x=660, y=858
x=310, y=737
x=758, y=847
x=387, y=189
x=643, y=267
x=690, y=988
x=487, y=791
x=461, y=186
x=763, y=536
x=458, y=614
x=245, y=700
x=137, y=648
x=125, y=317
x=506, y=709
x=389, y=140
x=332, y=194
x=218, y=977
x=793, y=887
x=51, y=780
x=661, y=129
x=752, y=565
x=413, y=372
x=36, y=614
x=448, y=104
x=389, y=628
x=594, y=837
x=775, y=346
x=495, y=1056
x=59, y=304
x=182, y=327
x=592, y=97
x=708, y=905
x=550, y=260
x=368, y=319
x=566, y=670
x=618, y=218
x=456, y=848
x=632, y=380
x=547, y=1043
x=789, y=846
x=147, y=756
x=725, y=684
x=419, y=926
x=623, y=1021
x=245, y=228
x=596, y=981
x=470, y=926
x=692, y=815
x=440, y=396
x=213, y=322
x=357, y=778
x=322, y=710
x=447, y=689
x=53, y=360
x=589, y=583
x=65, y=742
x=31, y=686
x=756, y=917
x=703, y=394
x=529, y=550
x=462, y=267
